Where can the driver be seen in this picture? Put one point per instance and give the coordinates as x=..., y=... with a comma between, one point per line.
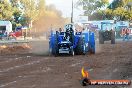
x=60, y=30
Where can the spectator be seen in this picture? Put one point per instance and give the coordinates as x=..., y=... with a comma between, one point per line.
x=123, y=33
x=127, y=34
x=24, y=34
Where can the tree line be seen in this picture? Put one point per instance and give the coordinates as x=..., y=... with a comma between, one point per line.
x=103, y=10
x=26, y=12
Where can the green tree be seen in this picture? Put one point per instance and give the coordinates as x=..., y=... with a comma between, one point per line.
x=17, y=13
x=115, y=4
x=121, y=9
x=98, y=15
x=6, y=11
x=32, y=9
x=29, y=9
x=91, y=6
x=108, y=14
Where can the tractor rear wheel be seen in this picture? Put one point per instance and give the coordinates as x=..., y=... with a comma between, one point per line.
x=91, y=48
x=112, y=37
x=50, y=51
x=55, y=48
x=80, y=46
x=72, y=51
x=84, y=49
x=101, y=40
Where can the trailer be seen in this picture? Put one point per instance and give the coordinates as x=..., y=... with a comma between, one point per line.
x=5, y=26
x=71, y=42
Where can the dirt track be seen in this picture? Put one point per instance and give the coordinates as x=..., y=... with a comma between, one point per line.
x=40, y=71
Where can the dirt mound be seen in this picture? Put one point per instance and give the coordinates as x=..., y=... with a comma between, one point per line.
x=14, y=49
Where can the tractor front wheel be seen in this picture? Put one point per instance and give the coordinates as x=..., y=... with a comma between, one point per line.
x=91, y=49
x=101, y=40
x=56, y=49
x=72, y=51
x=81, y=46
x=112, y=37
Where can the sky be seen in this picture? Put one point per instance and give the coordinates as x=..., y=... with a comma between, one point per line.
x=66, y=7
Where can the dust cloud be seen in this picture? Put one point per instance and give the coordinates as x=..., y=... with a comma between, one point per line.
x=98, y=47
x=40, y=47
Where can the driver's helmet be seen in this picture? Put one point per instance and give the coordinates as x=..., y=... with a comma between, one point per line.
x=69, y=27
x=60, y=30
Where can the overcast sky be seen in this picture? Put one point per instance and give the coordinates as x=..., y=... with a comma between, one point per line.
x=65, y=6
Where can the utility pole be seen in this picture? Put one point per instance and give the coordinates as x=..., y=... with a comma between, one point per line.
x=88, y=9
x=72, y=13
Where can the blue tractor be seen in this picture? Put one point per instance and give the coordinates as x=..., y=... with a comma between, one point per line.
x=71, y=42
x=107, y=33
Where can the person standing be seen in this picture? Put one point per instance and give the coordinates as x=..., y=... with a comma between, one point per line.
x=24, y=34
x=123, y=33
x=127, y=34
